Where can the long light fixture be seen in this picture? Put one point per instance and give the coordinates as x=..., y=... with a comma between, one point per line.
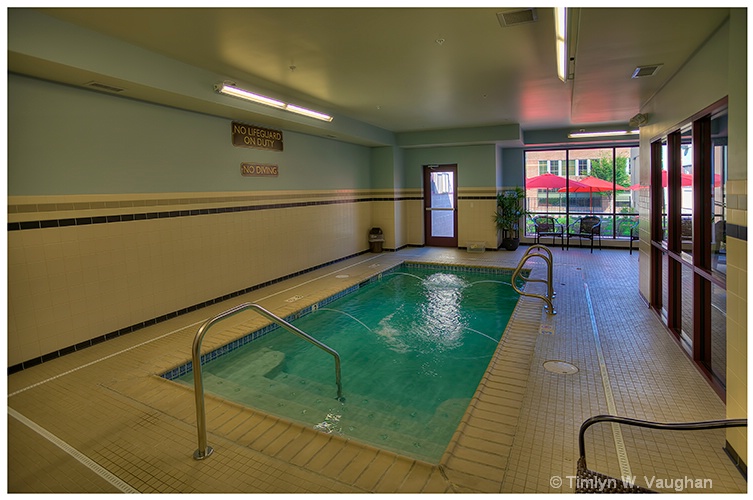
x=308, y=112
x=607, y=133
x=560, y=29
x=232, y=90
x=224, y=88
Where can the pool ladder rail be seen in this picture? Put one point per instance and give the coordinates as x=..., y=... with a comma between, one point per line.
x=204, y=449
x=549, y=296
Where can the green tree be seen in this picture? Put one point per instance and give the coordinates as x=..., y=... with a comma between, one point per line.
x=601, y=168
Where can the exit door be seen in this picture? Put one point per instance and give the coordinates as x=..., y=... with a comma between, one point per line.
x=440, y=205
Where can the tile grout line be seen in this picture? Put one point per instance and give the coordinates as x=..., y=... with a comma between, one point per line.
x=616, y=431
x=83, y=459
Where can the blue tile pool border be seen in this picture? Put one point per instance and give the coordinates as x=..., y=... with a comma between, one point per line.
x=186, y=368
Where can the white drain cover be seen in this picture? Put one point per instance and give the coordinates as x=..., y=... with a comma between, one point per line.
x=560, y=367
x=341, y=276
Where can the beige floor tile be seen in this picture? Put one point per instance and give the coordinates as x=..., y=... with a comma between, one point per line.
x=518, y=435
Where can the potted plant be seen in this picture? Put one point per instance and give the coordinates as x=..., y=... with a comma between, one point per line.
x=510, y=210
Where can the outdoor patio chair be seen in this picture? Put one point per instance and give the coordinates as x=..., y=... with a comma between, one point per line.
x=631, y=226
x=588, y=227
x=548, y=227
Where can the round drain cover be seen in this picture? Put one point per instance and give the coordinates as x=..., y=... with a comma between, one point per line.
x=561, y=367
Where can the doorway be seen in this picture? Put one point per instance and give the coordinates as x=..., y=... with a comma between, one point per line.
x=440, y=205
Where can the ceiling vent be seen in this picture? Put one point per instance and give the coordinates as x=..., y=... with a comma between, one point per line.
x=644, y=71
x=518, y=16
x=104, y=86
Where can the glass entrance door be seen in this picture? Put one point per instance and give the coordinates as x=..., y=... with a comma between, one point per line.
x=440, y=205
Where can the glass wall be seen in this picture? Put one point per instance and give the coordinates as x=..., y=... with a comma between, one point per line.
x=688, y=248
x=570, y=183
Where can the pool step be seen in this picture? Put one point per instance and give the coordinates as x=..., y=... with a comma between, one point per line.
x=259, y=363
x=308, y=405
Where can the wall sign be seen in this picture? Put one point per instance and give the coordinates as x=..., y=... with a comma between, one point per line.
x=251, y=136
x=258, y=170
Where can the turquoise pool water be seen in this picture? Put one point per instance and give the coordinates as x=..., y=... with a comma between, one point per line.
x=414, y=344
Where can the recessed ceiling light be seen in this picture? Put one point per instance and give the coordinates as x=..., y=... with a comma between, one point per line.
x=644, y=71
x=511, y=17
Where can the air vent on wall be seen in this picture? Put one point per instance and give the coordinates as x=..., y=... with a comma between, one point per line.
x=103, y=86
x=644, y=71
x=518, y=16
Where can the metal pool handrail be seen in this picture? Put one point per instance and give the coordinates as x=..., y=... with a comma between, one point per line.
x=204, y=449
x=550, y=288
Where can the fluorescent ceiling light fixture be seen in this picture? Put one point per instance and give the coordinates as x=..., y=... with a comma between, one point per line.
x=560, y=27
x=607, y=133
x=232, y=90
x=224, y=88
x=308, y=112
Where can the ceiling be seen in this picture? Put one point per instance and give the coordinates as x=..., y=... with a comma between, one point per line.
x=410, y=69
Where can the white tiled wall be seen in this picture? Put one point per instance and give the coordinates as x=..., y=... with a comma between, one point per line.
x=70, y=284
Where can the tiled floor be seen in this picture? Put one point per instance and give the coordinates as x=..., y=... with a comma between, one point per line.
x=102, y=420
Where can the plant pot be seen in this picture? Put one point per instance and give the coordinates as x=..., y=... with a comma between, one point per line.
x=510, y=243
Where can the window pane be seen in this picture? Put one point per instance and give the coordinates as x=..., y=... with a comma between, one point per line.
x=686, y=183
x=686, y=304
x=626, y=199
x=664, y=285
x=442, y=224
x=598, y=197
x=719, y=332
x=664, y=198
x=544, y=198
x=718, y=201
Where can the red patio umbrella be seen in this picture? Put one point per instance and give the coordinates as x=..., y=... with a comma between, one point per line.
x=596, y=184
x=685, y=180
x=591, y=184
x=549, y=181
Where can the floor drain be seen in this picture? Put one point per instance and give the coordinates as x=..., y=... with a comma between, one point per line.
x=341, y=276
x=546, y=329
x=560, y=367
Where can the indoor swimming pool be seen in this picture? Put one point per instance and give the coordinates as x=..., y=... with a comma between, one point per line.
x=414, y=342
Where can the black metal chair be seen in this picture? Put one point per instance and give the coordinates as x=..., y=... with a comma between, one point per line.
x=588, y=227
x=589, y=481
x=628, y=228
x=548, y=227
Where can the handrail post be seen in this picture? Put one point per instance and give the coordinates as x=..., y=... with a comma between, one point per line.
x=546, y=298
x=204, y=450
x=550, y=267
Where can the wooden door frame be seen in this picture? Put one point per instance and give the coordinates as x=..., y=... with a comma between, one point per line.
x=440, y=241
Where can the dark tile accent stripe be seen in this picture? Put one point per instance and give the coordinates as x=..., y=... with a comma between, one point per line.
x=106, y=219
x=741, y=466
x=736, y=231
x=117, y=333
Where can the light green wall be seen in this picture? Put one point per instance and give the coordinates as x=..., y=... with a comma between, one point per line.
x=470, y=135
x=64, y=140
x=513, y=168
x=683, y=96
x=738, y=99
x=386, y=168
x=476, y=164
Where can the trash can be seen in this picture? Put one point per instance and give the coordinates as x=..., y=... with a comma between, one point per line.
x=376, y=239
